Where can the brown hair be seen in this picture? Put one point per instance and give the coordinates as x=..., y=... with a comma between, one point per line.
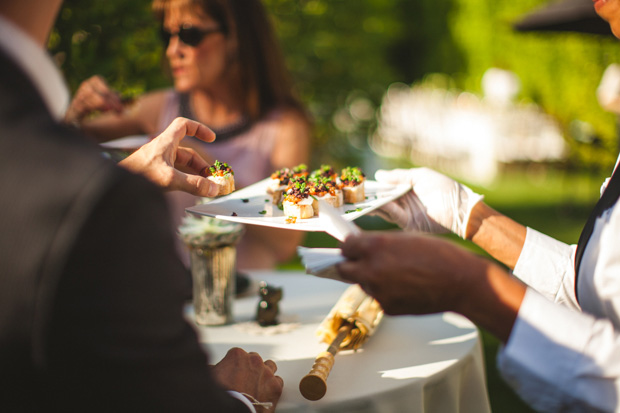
x=263, y=80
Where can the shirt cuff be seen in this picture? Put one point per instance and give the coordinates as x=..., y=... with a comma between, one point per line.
x=546, y=265
x=244, y=399
x=543, y=352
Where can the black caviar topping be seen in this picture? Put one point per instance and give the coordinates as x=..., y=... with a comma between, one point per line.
x=283, y=175
x=324, y=171
x=298, y=187
x=221, y=166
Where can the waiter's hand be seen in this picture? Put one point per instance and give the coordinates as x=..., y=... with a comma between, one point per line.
x=248, y=373
x=436, y=203
x=413, y=273
x=173, y=167
x=409, y=273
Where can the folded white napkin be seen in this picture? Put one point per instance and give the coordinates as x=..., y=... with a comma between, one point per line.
x=334, y=224
x=321, y=261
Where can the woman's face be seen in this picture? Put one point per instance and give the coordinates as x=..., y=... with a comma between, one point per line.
x=199, y=66
x=609, y=10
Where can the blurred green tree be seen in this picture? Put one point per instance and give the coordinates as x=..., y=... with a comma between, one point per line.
x=114, y=38
x=558, y=71
x=345, y=53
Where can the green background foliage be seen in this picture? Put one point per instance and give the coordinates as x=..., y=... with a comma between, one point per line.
x=339, y=50
x=558, y=71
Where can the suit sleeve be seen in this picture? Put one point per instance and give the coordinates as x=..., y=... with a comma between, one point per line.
x=118, y=339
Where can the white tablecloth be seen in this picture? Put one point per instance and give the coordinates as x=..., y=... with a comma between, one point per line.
x=412, y=364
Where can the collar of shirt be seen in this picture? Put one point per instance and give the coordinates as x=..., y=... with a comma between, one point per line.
x=37, y=64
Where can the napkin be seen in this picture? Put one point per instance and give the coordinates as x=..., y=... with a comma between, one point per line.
x=322, y=261
x=334, y=224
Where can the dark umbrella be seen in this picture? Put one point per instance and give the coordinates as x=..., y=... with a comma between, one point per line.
x=565, y=16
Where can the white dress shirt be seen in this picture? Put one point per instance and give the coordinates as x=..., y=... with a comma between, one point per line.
x=564, y=356
x=39, y=66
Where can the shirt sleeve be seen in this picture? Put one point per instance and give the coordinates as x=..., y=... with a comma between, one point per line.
x=547, y=265
x=561, y=360
x=118, y=338
x=244, y=399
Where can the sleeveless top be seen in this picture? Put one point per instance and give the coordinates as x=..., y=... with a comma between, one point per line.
x=248, y=152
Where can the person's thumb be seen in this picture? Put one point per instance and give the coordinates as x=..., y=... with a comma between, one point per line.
x=393, y=212
x=196, y=185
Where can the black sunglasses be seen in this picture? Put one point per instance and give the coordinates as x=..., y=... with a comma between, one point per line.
x=191, y=36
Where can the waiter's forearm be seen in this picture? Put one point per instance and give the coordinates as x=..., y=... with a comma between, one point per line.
x=497, y=234
x=491, y=298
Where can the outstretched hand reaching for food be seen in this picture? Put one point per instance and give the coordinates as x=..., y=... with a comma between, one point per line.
x=171, y=166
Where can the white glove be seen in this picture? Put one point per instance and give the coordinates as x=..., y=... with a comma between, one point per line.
x=436, y=204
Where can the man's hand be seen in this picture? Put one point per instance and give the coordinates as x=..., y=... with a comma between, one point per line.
x=247, y=373
x=159, y=159
x=411, y=273
x=408, y=273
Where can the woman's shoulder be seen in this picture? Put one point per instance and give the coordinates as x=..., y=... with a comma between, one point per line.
x=150, y=106
x=287, y=115
x=291, y=128
x=158, y=96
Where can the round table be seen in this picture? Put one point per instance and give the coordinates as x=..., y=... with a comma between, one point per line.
x=430, y=363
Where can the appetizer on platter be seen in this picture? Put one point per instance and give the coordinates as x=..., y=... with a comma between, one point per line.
x=280, y=180
x=325, y=171
x=352, y=180
x=223, y=175
x=326, y=189
x=300, y=170
x=298, y=202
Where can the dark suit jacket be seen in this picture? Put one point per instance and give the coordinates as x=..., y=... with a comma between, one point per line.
x=91, y=291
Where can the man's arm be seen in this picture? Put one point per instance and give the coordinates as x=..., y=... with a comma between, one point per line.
x=118, y=337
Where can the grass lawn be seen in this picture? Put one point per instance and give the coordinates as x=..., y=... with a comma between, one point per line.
x=554, y=202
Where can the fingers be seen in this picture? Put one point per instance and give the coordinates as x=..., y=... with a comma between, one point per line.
x=393, y=177
x=248, y=373
x=195, y=185
x=354, y=246
x=181, y=127
x=177, y=130
x=98, y=95
x=159, y=159
x=404, y=176
x=189, y=160
x=348, y=270
x=271, y=365
x=194, y=181
x=257, y=361
x=182, y=167
x=393, y=212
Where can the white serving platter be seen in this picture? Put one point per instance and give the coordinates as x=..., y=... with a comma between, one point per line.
x=252, y=205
